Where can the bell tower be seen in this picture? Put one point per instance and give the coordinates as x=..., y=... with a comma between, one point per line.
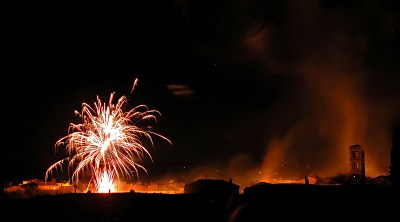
x=357, y=164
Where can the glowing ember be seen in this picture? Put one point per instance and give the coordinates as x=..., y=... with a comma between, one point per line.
x=108, y=143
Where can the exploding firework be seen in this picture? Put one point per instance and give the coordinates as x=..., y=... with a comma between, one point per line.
x=108, y=144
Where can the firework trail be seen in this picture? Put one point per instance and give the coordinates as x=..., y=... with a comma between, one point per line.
x=108, y=143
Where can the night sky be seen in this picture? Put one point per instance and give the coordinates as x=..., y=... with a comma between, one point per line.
x=246, y=89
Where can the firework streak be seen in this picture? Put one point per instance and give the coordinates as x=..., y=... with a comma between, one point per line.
x=108, y=144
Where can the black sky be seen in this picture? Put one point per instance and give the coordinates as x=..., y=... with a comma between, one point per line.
x=265, y=82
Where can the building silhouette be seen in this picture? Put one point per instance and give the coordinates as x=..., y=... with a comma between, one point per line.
x=210, y=186
x=357, y=164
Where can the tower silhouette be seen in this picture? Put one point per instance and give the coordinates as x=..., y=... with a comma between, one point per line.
x=357, y=164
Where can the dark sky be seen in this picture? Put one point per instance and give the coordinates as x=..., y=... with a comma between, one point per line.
x=278, y=87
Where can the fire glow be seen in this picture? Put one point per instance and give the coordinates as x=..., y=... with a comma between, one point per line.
x=108, y=143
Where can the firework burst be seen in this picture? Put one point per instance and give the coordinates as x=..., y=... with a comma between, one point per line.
x=108, y=144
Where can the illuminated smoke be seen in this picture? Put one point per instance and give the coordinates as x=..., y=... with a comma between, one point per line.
x=337, y=87
x=336, y=105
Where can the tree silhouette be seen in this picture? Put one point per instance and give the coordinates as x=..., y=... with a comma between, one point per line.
x=394, y=170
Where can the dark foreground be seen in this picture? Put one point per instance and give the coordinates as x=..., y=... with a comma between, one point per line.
x=258, y=203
